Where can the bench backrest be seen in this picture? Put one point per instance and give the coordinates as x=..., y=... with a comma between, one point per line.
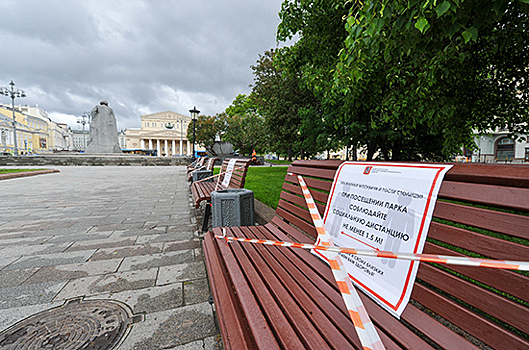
x=482, y=211
x=211, y=163
x=238, y=175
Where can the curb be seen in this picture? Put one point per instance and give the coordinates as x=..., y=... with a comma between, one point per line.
x=27, y=173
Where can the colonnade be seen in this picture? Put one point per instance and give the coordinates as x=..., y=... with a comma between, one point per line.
x=167, y=147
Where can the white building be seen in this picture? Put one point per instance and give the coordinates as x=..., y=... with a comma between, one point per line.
x=80, y=139
x=499, y=147
x=165, y=132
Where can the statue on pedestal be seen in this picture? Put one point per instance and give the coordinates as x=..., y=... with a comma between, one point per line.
x=103, y=130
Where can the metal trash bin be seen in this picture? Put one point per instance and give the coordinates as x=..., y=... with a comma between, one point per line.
x=202, y=174
x=233, y=207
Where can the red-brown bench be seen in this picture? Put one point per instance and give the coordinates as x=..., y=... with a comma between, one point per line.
x=201, y=190
x=269, y=297
x=197, y=163
x=208, y=165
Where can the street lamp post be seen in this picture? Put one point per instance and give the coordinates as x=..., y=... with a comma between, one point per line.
x=194, y=115
x=12, y=92
x=85, y=119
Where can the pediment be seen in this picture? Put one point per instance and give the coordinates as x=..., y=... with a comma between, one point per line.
x=167, y=133
x=167, y=115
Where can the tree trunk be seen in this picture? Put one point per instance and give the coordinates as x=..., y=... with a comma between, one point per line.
x=371, y=148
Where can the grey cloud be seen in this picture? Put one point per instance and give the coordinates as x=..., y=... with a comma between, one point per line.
x=141, y=56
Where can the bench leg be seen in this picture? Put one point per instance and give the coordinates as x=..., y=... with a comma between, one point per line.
x=207, y=214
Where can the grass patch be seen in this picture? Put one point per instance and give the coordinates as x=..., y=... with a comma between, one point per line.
x=265, y=182
x=9, y=171
x=278, y=161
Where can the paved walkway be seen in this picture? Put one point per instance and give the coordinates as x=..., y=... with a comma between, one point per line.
x=108, y=233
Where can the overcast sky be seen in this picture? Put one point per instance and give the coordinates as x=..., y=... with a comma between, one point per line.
x=141, y=56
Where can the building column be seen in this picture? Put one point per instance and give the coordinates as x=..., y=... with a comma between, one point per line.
x=188, y=148
x=158, y=153
x=150, y=143
x=174, y=149
x=166, y=149
x=181, y=148
x=142, y=143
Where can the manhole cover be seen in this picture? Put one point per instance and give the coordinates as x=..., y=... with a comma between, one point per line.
x=78, y=324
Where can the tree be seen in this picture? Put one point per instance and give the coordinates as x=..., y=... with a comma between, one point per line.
x=313, y=58
x=280, y=99
x=440, y=70
x=245, y=126
x=207, y=132
x=411, y=79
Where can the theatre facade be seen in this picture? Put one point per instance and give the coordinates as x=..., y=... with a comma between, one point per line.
x=165, y=132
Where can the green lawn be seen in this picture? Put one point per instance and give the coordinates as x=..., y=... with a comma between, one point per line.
x=278, y=161
x=8, y=171
x=265, y=182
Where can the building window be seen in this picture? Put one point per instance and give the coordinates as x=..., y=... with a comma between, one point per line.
x=505, y=149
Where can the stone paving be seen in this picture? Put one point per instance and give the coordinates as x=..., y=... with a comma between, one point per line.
x=120, y=233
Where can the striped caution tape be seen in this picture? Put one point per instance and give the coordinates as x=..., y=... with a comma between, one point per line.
x=439, y=259
x=217, y=175
x=364, y=327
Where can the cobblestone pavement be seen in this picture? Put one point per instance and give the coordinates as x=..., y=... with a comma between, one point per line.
x=127, y=234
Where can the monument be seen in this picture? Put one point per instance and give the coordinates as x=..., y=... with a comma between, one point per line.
x=103, y=130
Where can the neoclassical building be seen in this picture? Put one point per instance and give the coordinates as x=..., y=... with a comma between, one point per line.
x=165, y=132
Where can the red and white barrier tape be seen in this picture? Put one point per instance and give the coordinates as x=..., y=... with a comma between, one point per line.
x=217, y=175
x=364, y=327
x=439, y=259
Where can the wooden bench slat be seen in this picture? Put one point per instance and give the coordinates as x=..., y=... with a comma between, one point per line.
x=435, y=331
x=515, y=198
x=488, y=246
x=289, y=189
x=251, y=261
x=513, y=175
x=501, y=222
x=507, y=281
x=312, y=311
x=313, y=172
x=489, y=302
x=315, y=269
x=261, y=333
x=485, y=330
x=231, y=320
x=292, y=233
x=319, y=185
x=296, y=221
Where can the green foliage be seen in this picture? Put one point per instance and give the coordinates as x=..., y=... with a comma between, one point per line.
x=207, y=129
x=280, y=98
x=422, y=75
x=313, y=59
x=245, y=126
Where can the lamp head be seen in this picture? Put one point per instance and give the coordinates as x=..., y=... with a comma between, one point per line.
x=194, y=113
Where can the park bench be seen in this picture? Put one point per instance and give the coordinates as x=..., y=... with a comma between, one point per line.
x=201, y=190
x=208, y=165
x=197, y=163
x=269, y=297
